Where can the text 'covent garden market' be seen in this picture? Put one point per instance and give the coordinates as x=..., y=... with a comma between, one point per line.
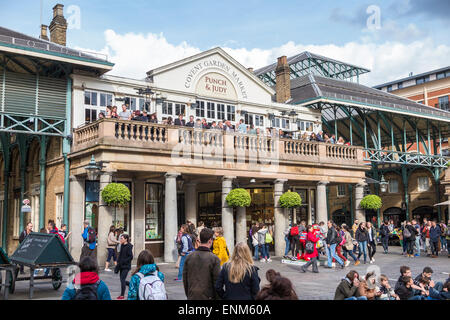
x=52, y=99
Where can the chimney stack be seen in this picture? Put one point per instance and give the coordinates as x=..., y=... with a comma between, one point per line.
x=250, y=69
x=44, y=32
x=58, y=26
x=283, y=80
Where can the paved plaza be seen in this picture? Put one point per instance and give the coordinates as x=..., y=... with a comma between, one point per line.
x=307, y=285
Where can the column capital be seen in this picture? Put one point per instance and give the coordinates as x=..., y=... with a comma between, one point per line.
x=361, y=185
x=76, y=178
x=280, y=181
x=227, y=178
x=171, y=175
x=322, y=183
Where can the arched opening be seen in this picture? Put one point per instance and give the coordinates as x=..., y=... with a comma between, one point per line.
x=395, y=214
x=340, y=216
x=422, y=212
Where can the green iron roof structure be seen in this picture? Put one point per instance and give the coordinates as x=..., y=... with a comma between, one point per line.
x=310, y=63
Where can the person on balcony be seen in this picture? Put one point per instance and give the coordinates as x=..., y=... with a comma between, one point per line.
x=180, y=121
x=205, y=124
x=228, y=126
x=144, y=116
x=319, y=136
x=114, y=114
x=125, y=114
x=108, y=112
x=191, y=122
x=333, y=139
x=340, y=141
x=220, y=126
x=242, y=128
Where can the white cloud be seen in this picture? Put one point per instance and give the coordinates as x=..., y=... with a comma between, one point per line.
x=135, y=54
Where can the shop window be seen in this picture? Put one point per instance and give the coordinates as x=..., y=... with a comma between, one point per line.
x=393, y=186
x=423, y=184
x=154, y=211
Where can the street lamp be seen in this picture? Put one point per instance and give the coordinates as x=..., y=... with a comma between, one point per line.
x=147, y=93
x=93, y=169
x=383, y=184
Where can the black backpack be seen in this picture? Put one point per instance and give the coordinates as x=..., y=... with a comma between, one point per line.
x=309, y=247
x=91, y=235
x=87, y=292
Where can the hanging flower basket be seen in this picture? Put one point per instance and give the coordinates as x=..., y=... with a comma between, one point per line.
x=290, y=200
x=238, y=198
x=116, y=194
x=371, y=202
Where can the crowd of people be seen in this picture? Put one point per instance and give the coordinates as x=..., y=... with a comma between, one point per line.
x=225, y=125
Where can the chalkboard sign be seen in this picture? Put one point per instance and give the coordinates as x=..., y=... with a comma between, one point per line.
x=4, y=260
x=42, y=249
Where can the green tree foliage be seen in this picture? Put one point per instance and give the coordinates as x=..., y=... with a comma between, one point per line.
x=371, y=202
x=238, y=198
x=116, y=194
x=290, y=200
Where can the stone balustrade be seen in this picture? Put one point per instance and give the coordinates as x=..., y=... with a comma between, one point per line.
x=145, y=135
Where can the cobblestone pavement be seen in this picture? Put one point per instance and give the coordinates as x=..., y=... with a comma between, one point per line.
x=307, y=285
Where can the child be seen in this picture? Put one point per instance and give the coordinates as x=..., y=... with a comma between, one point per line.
x=303, y=235
x=220, y=246
x=387, y=293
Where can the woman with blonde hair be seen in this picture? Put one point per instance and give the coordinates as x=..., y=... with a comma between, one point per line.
x=238, y=279
x=220, y=246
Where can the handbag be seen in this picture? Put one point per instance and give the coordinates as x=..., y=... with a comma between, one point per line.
x=269, y=238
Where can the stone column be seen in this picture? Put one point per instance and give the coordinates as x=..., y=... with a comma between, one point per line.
x=227, y=213
x=241, y=225
x=139, y=217
x=359, y=194
x=76, y=216
x=104, y=220
x=322, y=213
x=279, y=218
x=190, y=200
x=170, y=217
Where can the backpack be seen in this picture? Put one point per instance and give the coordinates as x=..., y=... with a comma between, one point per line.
x=87, y=292
x=303, y=235
x=294, y=231
x=190, y=246
x=309, y=247
x=269, y=238
x=151, y=287
x=91, y=236
x=406, y=232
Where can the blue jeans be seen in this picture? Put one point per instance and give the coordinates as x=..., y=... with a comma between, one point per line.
x=180, y=268
x=418, y=245
x=443, y=243
x=267, y=250
x=331, y=253
x=288, y=245
x=256, y=257
x=356, y=298
x=417, y=298
x=350, y=252
x=362, y=250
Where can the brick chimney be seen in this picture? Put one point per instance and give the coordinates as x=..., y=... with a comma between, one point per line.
x=283, y=81
x=44, y=32
x=58, y=26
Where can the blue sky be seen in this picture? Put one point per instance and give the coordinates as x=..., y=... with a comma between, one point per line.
x=253, y=31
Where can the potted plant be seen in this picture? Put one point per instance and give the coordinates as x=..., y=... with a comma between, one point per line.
x=371, y=202
x=239, y=198
x=290, y=200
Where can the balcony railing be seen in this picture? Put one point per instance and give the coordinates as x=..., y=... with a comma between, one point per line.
x=145, y=135
x=407, y=158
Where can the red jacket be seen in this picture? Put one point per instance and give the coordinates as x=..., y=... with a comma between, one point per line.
x=313, y=237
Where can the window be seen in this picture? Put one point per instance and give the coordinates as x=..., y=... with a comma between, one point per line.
x=248, y=118
x=231, y=110
x=341, y=190
x=59, y=209
x=423, y=184
x=280, y=123
x=210, y=110
x=153, y=211
x=440, y=75
x=259, y=120
x=131, y=102
x=400, y=85
x=393, y=186
x=200, y=109
x=180, y=109
x=16, y=225
x=1, y=220
x=105, y=99
x=443, y=103
x=90, y=98
x=255, y=119
x=90, y=115
x=167, y=108
x=422, y=80
x=389, y=88
x=220, y=111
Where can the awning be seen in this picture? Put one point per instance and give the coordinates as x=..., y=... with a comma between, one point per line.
x=445, y=203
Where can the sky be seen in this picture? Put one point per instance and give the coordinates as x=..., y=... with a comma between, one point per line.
x=391, y=38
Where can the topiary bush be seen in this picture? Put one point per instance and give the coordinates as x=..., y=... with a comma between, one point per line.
x=290, y=200
x=238, y=198
x=116, y=194
x=371, y=202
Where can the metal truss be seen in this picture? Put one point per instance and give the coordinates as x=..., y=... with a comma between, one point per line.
x=32, y=125
x=405, y=158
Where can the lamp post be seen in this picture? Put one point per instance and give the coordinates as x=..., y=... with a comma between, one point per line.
x=383, y=184
x=147, y=94
x=93, y=169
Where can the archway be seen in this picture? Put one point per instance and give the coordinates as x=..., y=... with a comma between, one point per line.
x=340, y=216
x=395, y=214
x=422, y=212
